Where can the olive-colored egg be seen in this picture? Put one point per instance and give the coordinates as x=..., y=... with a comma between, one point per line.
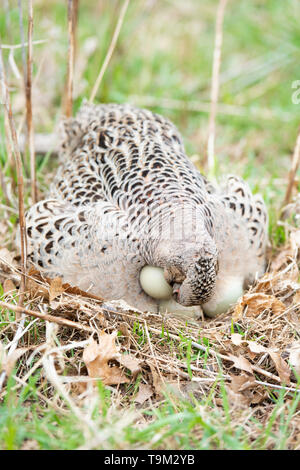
x=225, y=297
x=154, y=284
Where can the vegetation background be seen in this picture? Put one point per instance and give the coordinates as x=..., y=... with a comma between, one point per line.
x=162, y=61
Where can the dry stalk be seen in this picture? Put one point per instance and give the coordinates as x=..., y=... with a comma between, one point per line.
x=72, y=17
x=278, y=387
x=28, y=93
x=293, y=171
x=215, y=86
x=47, y=317
x=110, y=50
x=19, y=46
x=75, y=24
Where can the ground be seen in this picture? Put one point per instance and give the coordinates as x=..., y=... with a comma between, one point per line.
x=229, y=383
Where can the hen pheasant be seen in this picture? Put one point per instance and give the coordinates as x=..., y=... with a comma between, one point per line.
x=127, y=196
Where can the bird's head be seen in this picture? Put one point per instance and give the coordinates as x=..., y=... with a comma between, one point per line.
x=190, y=269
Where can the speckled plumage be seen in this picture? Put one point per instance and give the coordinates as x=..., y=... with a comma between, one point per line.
x=125, y=196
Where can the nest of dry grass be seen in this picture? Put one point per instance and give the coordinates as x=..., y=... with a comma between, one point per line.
x=254, y=348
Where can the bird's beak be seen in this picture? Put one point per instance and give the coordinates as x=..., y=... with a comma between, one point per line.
x=176, y=289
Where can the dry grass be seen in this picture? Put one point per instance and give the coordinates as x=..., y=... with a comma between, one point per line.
x=215, y=84
x=110, y=50
x=253, y=350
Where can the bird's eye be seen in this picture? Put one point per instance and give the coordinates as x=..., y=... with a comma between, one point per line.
x=173, y=275
x=172, y=282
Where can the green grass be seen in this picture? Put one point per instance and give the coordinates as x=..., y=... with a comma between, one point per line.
x=190, y=423
x=165, y=51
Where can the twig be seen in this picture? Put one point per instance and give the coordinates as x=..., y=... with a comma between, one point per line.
x=70, y=67
x=19, y=46
x=215, y=86
x=279, y=387
x=293, y=171
x=75, y=24
x=47, y=317
x=28, y=93
x=110, y=50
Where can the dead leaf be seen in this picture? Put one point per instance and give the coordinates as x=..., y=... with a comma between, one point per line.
x=282, y=259
x=97, y=356
x=236, y=399
x=242, y=382
x=76, y=291
x=131, y=363
x=123, y=328
x=56, y=288
x=8, y=286
x=237, y=339
x=246, y=386
x=144, y=393
x=157, y=382
x=258, y=395
x=256, y=303
x=256, y=348
x=282, y=367
x=36, y=289
x=241, y=363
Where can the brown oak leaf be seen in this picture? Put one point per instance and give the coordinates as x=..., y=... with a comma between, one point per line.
x=256, y=303
x=98, y=358
x=144, y=393
x=282, y=367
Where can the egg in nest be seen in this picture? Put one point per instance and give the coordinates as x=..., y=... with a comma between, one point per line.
x=154, y=284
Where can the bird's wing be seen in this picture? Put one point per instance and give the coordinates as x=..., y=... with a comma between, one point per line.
x=251, y=210
x=88, y=247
